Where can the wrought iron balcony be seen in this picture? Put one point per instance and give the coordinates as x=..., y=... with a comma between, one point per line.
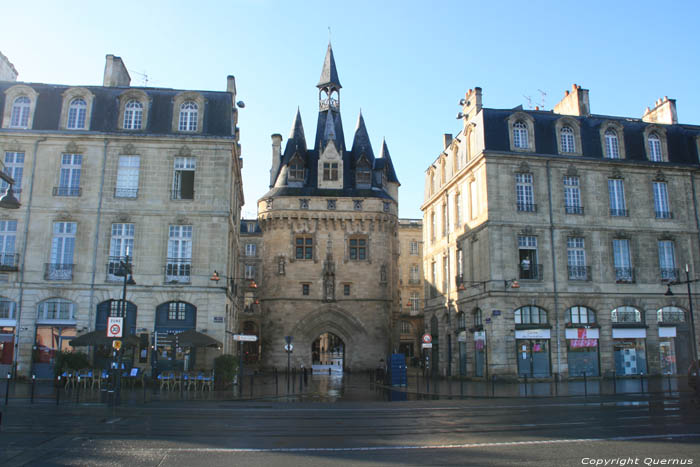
x=125, y=192
x=624, y=275
x=669, y=274
x=671, y=317
x=579, y=273
x=618, y=212
x=178, y=269
x=115, y=268
x=571, y=209
x=9, y=261
x=664, y=214
x=626, y=317
x=67, y=191
x=530, y=272
x=526, y=207
x=58, y=272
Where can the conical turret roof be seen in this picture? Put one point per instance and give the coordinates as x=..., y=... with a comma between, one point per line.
x=361, y=143
x=329, y=74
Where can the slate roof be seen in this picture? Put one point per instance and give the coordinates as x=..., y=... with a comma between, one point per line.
x=681, y=139
x=329, y=74
x=105, y=110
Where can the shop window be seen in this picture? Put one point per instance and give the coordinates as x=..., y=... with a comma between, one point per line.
x=626, y=314
x=580, y=315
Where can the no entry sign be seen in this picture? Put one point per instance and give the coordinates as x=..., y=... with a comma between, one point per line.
x=115, y=326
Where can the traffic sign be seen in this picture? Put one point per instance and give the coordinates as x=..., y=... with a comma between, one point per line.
x=245, y=338
x=115, y=326
x=117, y=344
x=427, y=338
x=289, y=347
x=288, y=339
x=428, y=346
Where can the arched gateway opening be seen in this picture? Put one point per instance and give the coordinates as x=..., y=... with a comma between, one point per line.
x=328, y=352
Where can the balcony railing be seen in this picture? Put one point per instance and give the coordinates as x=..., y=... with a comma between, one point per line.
x=58, y=272
x=125, y=192
x=526, y=207
x=624, y=275
x=178, y=269
x=626, y=317
x=664, y=214
x=413, y=281
x=9, y=261
x=574, y=209
x=67, y=191
x=530, y=272
x=671, y=317
x=618, y=212
x=579, y=273
x=669, y=274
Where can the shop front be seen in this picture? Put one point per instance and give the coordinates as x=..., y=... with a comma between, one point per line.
x=102, y=356
x=533, y=352
x=674, y=341
x=8, y=324
x=582, y=351
x=172, y=318
x=55, y=328
x=629, y=350
x=479, y=353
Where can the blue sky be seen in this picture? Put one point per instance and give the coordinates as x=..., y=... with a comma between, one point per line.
x=406, y=64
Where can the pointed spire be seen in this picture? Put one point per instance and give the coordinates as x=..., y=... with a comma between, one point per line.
x=384, y=153
x=329, y=74
x=329, y=131
x=297, y=132
x=385, y=158
x=360, y=142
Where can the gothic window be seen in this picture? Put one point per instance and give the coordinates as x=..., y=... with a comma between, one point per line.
x=304, y=247
x=330, y=171
x=358, y=248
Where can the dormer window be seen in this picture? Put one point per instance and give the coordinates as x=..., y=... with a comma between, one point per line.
x=133, y=115
x=330, y=171
x=363, y=175
x=655, y=148
x=612, y=145
x=520, y=135
x=296, y=170
x=188, y=116
x=77, y=111
x=20, y=112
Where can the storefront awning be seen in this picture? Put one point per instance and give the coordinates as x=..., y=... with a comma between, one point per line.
x=192, y=338
x=99, y=337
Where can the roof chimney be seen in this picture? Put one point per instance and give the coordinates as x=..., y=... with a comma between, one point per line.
x=116, y=74
x=664, y=111
x=574, y=102
x=276, y=157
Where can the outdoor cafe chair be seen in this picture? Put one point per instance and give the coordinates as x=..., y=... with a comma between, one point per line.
x=189, y=381
x=67, y=379
x=84, y=377
x=165, y=379
x=207, y=380
x=176, y=381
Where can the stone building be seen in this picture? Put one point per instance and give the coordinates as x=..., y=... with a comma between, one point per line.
x=249, y=280
x=552, y=238
x=409, y=322
x=329, y=226
x=106, y=172
x=8, y=72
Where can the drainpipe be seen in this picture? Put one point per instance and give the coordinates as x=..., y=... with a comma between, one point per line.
x=97, y=233
x=554, y=270
x=18, y=327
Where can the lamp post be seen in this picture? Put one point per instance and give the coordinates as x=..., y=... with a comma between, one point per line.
x=124, y=270
x=693, y=346
x=8, y=200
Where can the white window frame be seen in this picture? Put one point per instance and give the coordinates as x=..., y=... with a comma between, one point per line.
x=62, y=251
x=189, y=114
x=182, y=164
x=520, y=136
x=414, y=274
x=616, y=192
x=249, y=271
x=77, y=114
x=661, y=207
x=568, y=140
x=572, y=194
x=413, y=248
x=655, y=153
x=612, y=144
x=474, y=199
x=56, y=309
x=133, y=115
x=128, y=177
x=179, y=260
x=21, y=108
x=622, y=259
x=121, y=244
x=8, y=309
x=667, y=260
x=250, y=249
x=576, y=258
x=14, y=167
x=8, y=242
x=524, y=192
x=69, y=179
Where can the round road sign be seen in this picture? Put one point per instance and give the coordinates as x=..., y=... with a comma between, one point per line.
x=114, y=330
x=427, y=339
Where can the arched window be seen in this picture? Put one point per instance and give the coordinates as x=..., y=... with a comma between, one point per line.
x=580, y=315
x=56, y=309
x=20, y=112
x=296, y=170
x=188, y=116
x=612, y=146
x=133, y=115
x=530, y=315
x=520, y=135
x=478, y=318
x=7, y=309
x=567, y=139
x=76, y=114
x=626, y=314
x=670, y=314
x=655, y=148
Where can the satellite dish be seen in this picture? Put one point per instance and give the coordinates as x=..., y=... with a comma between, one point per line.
x=241, y=104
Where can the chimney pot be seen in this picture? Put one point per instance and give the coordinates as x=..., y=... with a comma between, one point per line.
x=566, y=93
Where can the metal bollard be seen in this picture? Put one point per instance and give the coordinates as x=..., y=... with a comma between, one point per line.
x=33, y=385
x=525, y=385
x=641, y=381
x=276, y=383
x=556, y=384
x=614, y=382
x=77, y=391
x=669, y=384
x=493, y=385
x=301, y=379
x=58, y=390
x=252, y=376
x=7, y=387
x=329, y=371
x=585, y=385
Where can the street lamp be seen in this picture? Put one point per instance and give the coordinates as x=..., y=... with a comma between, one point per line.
x=124, y=270
x=693, y=347
x=8, y=200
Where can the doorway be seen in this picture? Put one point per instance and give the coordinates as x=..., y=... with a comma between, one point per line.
x=328, y=353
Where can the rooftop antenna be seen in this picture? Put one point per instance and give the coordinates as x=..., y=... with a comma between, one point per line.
x=143, y=76
x=543, y=95
x=529, y=101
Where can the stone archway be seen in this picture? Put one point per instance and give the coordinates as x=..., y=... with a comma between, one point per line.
x=329, y=319
x=328, y=353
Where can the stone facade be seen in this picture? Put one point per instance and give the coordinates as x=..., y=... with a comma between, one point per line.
x=96, y=187
x=249, y=282
x=572, y=226
x=8, y=72
x=409, y=323
x=330, y=246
